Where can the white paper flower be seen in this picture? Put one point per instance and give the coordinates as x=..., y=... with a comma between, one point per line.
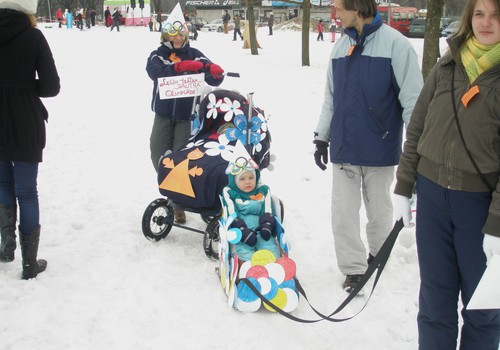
x=265, y=122
x=197, y=143
x=231, y=108
x=221, y=148
x=212, y=106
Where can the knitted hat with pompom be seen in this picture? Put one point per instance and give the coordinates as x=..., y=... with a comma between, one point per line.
x=26, y=6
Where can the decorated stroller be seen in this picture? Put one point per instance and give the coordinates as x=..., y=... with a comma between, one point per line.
x=226, y=127
x=192, y=178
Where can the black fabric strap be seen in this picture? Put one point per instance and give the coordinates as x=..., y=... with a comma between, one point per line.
x=378, y=264
x=481, y=175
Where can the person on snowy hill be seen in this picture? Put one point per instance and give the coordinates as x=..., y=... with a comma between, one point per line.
x=172, y=125
x=452, y=153
x=27, y=72
x=373, y=81
x=250, y=200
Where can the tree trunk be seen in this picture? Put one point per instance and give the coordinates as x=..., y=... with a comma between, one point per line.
x=432, y=32
x=251, y=29
x=306, y=23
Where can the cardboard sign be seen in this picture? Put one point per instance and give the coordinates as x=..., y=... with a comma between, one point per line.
x=181, y=86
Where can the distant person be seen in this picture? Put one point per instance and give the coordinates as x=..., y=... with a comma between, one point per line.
x=93, y=14
x=237, y=26
x=333, y=28
x=225, y=21
x=117, y=17
x=451, y=154
x=27, y=72
x=107, y=17
x=69, y=19
x=270, y=22
x=59, y=17
x=79, y=18
x=320, y=30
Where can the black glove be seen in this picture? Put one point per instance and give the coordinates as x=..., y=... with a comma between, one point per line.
x=267, y=223
x=321, y=154
x=247, y=236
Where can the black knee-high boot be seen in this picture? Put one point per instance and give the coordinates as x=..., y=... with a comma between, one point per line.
x=29, y=248
x=8, y=216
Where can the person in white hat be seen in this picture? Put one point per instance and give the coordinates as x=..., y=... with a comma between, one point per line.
x=27, y=72
x=172, y=124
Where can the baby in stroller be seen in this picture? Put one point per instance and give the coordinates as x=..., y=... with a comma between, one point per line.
x=250, y=201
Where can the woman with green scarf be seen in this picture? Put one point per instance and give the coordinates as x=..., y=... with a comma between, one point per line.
x=250, y=200
x=452, y=154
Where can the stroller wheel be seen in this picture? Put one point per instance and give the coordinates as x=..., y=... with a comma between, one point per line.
x=158, y=219
x=211, y=239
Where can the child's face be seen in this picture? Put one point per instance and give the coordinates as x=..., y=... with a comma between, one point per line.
x=246, y=182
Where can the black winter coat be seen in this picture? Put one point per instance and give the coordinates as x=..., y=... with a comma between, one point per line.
x=24, y=53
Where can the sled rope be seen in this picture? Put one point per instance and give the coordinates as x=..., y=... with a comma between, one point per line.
x=378, y=264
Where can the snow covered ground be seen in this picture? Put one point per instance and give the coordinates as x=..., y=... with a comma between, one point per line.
x=107, y=287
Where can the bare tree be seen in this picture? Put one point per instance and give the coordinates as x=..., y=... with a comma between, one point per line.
x=432, y=32
x=251, y=28
x=306, y=20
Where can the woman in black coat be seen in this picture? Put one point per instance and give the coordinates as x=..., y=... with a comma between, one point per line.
x=27, y=72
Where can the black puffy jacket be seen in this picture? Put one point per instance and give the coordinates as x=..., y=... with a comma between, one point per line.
x=27, y=72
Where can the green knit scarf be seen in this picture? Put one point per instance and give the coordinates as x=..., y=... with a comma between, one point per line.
x=478, y=58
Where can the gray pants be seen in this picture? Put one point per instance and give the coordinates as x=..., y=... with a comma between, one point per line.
x=350, y=183
x=167, y=134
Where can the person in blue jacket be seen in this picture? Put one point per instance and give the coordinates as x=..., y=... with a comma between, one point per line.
x=373, y=81
x=172, y=125
x=69, y=19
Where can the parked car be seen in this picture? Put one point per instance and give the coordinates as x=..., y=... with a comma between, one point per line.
x=451, y=29
x=417, y=28
x=198, y=22
x=217, y=26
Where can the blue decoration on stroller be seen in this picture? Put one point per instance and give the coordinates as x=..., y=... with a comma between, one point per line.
x=226, y=125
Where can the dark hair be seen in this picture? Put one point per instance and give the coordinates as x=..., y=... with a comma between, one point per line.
x=365, y=8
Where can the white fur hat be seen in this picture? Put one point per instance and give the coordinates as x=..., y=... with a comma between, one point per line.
x=26, y=6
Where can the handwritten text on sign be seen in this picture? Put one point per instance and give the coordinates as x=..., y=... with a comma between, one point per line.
x=181, y=86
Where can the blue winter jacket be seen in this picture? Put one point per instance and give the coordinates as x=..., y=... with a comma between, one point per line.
x=160, y=64
x=372, y=85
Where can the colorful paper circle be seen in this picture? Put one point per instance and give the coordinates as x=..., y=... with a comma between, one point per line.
x=279, y=300
x=292, y=300
x=247, y=306
x=262, y=257
x=273, y=289
x=289, y=266
x=244, y=269
x=276, y=271
x=244, y=291
x=257, y=271
x=288, y=284
x=234, y=235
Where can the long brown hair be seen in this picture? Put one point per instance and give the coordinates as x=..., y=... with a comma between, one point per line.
x=32, y=20
x=465, y=30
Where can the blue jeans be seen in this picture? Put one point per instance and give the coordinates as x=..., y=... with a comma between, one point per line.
x=451, y=260
x=18, y=180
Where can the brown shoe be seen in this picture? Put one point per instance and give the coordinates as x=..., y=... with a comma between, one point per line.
x=180, y=216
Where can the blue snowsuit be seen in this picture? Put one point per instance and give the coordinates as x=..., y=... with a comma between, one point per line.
x=250, y=207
